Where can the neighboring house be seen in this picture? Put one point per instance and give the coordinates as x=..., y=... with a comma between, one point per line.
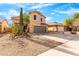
x=55, y=27
x=37, y=22
x=3, y=26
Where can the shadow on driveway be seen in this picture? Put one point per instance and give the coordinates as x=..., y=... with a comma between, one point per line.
x=46, y=42
x=74, y=37
x=52, y=43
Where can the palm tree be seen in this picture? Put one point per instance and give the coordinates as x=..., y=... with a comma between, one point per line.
x=68, y=23
x=75, y=16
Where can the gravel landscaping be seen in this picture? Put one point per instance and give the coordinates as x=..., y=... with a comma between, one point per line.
x=25, y=46
x=13, y=48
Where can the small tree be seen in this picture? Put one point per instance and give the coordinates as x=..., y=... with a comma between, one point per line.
x=15, y=30
x=26, y=22
x=68, y=23
x=22, y=26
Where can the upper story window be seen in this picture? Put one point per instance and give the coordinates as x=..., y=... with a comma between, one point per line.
x=41, y=19
x=35, y=17
x=0, y=26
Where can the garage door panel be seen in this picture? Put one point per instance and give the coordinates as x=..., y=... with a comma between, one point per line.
x=39, y=29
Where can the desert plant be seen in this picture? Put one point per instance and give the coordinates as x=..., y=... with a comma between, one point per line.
x=26, y=22
x=74, y=30
x=75, y=16
x=21, y=25
x=15, y=30
x=68, y=23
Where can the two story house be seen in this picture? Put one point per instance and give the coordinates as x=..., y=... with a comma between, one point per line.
x=3, y=26
x=37, y=22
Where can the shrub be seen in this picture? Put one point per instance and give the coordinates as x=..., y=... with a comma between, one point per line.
x=15, y=30
x=74, y=30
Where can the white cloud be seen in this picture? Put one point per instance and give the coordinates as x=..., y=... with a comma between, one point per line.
x=64, y=6
x=9, y=14
x=40, y=5
x=71, y=11
x=53, y=13
x=48, y=19
x=21, y=5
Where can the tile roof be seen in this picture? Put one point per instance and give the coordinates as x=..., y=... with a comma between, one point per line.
x=54, y=23
x=37, y=12
x=1, y=20
x=15, y=17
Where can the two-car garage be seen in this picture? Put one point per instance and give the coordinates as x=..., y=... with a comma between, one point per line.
x=39, y=29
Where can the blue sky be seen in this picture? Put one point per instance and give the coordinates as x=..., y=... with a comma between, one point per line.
x=54, y=12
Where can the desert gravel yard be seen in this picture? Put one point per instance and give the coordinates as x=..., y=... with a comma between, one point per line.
x=25, y=47
x=2, y=34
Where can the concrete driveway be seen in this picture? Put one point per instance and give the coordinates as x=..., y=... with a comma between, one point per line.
x=69, y=48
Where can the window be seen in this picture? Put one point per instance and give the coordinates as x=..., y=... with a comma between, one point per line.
x=0, y=26
x=34, y=17
x=41, y=19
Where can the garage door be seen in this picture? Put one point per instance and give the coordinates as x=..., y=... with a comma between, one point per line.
x=39, y=29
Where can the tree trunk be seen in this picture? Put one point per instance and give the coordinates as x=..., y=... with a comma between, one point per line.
x=26, y=29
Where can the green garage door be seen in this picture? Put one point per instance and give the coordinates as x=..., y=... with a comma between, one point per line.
x=39, y=29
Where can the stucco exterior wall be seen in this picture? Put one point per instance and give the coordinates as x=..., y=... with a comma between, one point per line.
x=35, y=22
x=4, y=26
x=54, y=28
x=60, y=28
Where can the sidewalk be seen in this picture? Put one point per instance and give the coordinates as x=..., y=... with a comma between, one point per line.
x=54, y=52
x=69, y=48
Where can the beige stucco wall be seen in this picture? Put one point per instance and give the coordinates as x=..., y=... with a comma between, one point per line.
x=35, y=22
x=5, y=26
x=53, y=28
x=61, y=28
